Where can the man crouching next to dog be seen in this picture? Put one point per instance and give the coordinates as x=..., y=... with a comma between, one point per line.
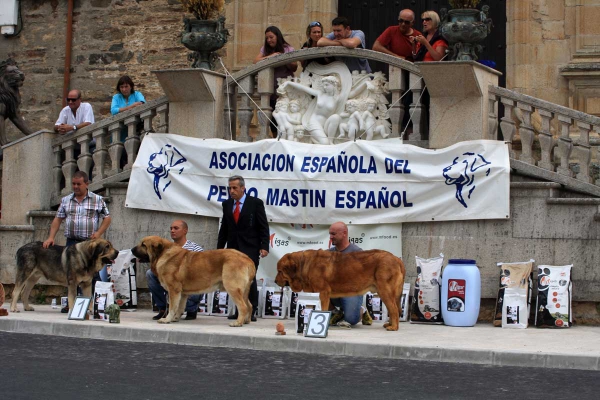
x=349, y=310
x=81, y=211
x=179, y=230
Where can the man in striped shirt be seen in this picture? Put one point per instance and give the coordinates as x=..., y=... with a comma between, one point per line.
x=81, y=212
x=179, y=231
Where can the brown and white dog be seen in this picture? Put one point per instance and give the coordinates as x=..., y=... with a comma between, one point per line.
x=182, y=272
x=334, y=274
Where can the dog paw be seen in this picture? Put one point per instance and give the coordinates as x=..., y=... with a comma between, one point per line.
x=14, y=310
x=391, y=328
x=29, y=308
x=235, y=324
x=386, y=325
x=163, y=321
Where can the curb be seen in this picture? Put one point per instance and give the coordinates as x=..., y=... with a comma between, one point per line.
x=299, y=344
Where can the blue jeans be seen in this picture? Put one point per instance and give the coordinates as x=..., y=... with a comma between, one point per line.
x=159, y=294
x=350, y=306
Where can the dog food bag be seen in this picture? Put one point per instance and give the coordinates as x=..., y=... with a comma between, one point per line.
x=513, y=302
x=426, y=294
x=374, y=306
x=205, y=305
x=122, y=275
x=292, y=305
x=553, y=306
x=103, y=297
x=404, y=302
x=220, y=304
x=307, y=302
x=272, y=307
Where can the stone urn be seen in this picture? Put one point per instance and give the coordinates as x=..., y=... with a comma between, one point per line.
x=204, y=38
x=465, y=29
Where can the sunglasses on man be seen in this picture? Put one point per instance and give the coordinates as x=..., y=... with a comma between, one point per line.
x=404, y=21
x=71, y=100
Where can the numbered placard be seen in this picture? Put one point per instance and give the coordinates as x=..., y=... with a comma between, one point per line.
x=318, y=324
x=80, y=308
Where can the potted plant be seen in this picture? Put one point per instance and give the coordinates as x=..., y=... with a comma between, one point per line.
x=465, y=27
x=204, y=34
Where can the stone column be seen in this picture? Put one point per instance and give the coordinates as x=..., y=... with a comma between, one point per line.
x=31, y=159
x=459, y=101
x=195, y=102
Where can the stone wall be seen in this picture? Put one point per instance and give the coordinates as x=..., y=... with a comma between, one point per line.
x=110, y=39
x=113, y=38
x=553, y=51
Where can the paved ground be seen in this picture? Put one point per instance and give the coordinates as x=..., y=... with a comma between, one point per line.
x=46, y=367
x=573, y=348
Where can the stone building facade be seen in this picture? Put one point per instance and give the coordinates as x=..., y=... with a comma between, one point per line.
x=553, y=47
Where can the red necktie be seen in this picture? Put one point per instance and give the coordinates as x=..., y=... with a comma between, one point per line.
x=236, y=212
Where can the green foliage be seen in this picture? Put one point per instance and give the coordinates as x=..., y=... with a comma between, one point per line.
x=40, y=296
x=203, y=9
x=464, y=3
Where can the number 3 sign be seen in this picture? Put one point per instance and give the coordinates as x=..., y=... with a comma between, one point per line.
x=318, y=324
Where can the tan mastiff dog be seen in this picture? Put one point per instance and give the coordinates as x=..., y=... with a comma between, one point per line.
x=334, y=274
x=182, y=272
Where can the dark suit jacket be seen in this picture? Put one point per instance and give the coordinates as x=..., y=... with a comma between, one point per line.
x=250, y=234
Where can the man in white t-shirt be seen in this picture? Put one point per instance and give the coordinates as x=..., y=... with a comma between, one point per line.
x=75, y=115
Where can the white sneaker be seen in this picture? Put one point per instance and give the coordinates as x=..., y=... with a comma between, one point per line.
x=343, y=324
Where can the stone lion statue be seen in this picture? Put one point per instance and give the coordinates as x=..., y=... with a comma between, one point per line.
x=11, y=79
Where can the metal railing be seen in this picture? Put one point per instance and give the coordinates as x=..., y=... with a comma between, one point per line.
x=100, y=146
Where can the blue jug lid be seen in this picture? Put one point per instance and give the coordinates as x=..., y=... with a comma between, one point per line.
x=461, y=261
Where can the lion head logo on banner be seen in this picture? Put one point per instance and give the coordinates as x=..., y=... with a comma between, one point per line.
x=160, y=165
x=462, y=173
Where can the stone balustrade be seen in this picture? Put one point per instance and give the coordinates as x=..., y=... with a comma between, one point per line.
x=565, y=157
x=100, y=146
x=257, y=80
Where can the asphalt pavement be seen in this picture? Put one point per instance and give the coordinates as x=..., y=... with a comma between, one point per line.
x=483, y=344
x=54, y=367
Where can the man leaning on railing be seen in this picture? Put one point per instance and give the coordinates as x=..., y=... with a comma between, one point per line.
x=75, y=115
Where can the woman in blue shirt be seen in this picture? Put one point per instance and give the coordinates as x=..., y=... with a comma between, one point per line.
x=126, y=98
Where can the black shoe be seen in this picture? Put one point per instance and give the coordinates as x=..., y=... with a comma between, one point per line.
x=233, y=316
x=161, y=313
x=64, y=310
x=191, y=315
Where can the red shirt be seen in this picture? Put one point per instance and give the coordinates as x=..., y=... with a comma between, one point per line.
x=398, y=43
x=435, y=46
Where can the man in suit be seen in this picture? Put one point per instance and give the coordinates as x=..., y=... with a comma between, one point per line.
x=244, y=227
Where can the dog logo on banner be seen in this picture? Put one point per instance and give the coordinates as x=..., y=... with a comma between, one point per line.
x=462, y=172
x=160, y=165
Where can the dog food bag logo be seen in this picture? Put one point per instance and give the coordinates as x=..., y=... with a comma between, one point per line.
x=160, y=165
x=464, y=172
x=456, y=295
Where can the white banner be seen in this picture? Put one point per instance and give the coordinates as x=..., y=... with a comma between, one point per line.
x=287, y=238
x=363, y=182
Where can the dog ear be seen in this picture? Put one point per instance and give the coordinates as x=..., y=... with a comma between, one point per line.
x=98, y=248
x=157, y=249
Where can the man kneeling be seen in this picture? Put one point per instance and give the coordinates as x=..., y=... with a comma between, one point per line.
x=179, y=231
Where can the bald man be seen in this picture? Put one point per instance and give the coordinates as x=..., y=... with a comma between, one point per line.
x=350, y=308
x=179, y=230
x=399, y=40
x=75, y=115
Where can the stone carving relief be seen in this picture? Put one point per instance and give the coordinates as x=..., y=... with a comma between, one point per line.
x=327, y=104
